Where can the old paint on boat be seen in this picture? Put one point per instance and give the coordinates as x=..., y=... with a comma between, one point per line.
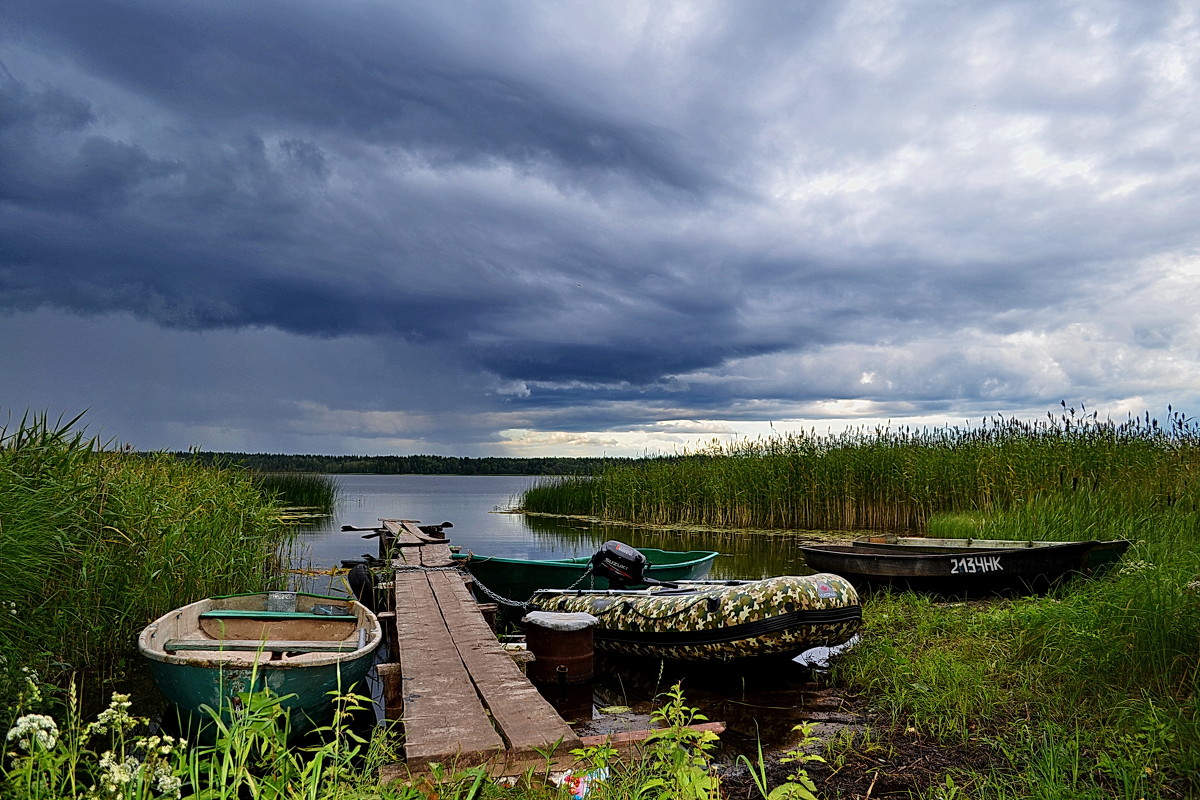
x=963, y=567
x=300, y=646
x=517, y=579
x=718, y=620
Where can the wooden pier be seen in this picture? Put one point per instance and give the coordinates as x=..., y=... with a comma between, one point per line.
x=459, y=696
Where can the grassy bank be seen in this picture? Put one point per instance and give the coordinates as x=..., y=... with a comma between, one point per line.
x=1091, y=692
x=96, y=543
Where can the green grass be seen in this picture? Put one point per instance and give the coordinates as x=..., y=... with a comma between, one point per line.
x=893, y=479
x=311, y=491
x=96, y=543
x=1088, y=692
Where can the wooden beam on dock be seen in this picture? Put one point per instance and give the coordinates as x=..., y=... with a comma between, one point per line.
x=464, y=699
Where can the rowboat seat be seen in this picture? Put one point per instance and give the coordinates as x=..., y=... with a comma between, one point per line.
x=241, y=613
x=276, y=625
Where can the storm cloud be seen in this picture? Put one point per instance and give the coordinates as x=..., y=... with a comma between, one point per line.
x=486, y=228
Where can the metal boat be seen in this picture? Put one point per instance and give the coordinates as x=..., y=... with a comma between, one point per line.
x=963, y=567
x=517, y=579
x=302, y=647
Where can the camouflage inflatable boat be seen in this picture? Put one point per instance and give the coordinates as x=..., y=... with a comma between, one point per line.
x=717, y=620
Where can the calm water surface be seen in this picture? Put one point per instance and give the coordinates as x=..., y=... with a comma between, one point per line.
x=477, y=507
x=756, y=701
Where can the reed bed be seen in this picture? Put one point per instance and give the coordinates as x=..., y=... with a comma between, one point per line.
x=311, y=492
x=97, y=542
x=891, y=479
x=1090, y=692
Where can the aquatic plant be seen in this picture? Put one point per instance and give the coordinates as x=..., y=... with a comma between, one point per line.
x=312, y=492
x=893, y=478
x=96, y=542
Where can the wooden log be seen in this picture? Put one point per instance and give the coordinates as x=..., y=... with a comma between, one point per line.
x=393, y=691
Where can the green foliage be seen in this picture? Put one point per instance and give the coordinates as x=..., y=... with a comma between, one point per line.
x=306, y=490
x=799, y=784
x=96, y=543
x=676, y=763
x=115, y=757
x=898, y=479
x=1089, y=692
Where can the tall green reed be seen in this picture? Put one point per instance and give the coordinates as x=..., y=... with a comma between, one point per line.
x=97, y=542
x=892, y=479
x=308, y=490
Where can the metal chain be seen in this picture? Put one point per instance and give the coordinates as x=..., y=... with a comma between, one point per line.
x=526, y=604
x=586, y=574
x=498, y=598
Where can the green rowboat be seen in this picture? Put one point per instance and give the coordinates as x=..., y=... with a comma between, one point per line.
x=300, y=646
x=517, y=579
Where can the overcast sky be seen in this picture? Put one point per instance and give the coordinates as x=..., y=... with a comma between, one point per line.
x=574, y=228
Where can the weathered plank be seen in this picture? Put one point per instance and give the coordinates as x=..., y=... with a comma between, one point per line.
x=412, y=548
x=629, y=745
x=524, y=717
x=443, y=717
x=456, y=677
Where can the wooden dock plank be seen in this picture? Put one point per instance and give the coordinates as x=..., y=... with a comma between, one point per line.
x=464, y=700
x=527, y=721
x=413, y=548
x=443, y=717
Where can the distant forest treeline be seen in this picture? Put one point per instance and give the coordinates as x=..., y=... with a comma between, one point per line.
x=403, y=465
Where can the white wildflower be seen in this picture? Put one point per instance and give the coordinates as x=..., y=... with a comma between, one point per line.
x=165, y=782
x=33, y=686
x=1192, y=587
x=117, y=774
x=116, y=715
x=1135, y=567
x=32, y=728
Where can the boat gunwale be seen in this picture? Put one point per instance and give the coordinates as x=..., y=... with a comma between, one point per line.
x=241, y=659
x=577, y=561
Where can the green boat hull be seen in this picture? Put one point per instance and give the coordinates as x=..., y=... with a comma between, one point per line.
x=517, y=579
x=305, y=649
x=304, y=692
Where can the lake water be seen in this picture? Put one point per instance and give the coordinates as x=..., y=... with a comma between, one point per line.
x=755, y=701
x=478, y=505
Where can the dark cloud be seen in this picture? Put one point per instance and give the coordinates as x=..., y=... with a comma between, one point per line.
x=589, y=218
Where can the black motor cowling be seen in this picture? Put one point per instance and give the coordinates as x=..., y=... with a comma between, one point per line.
x=621, y=564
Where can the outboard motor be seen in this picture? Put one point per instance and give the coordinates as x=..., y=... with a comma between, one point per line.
x=621, y=564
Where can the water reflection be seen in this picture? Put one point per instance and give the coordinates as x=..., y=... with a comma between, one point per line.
x=476, y=506
x=744, y=555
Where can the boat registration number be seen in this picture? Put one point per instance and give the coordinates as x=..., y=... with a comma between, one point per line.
x=970, y=564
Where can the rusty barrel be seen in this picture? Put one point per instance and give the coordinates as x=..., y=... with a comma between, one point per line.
x=562, y=646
